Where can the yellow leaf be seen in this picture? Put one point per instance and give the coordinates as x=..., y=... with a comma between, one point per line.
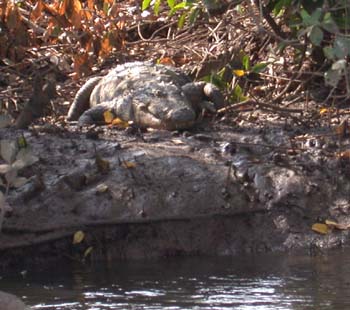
x=323, y=111
x=78, y=237
x=108, y=117
x=239, y=73
x=119, y=123
x=128, y=164
x=322, y=229
x=22, y=142
x=88, y=251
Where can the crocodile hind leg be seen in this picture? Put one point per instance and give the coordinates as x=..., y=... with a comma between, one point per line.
x=81, y=101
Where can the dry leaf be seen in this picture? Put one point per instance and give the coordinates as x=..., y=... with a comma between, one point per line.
x=323, y=111
x=344, y=155
x=128, y=164
x=342, y=129
x=103, y=165
x=9, y=150
x=88, y=251
x=322, y=229
x=167, y=61
x=117, y=122
x=102, y=188
x=108, y=117
x=337, y=225
x=19, y=182
x=177, y=141
x=5, y=120
x=78, y=237
x=4, y=168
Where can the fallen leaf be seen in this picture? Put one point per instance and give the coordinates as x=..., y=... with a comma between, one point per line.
x=128, y=164
x=166, y=61
x=323, y=111
x=108, y=117
x=177, y=141
x=344, y=155
x=22, y=142
x=88, y=251
x=19, y=182
x=9, y=150
x=336, y=225
x=78, y=237
x=343, y=129
x=11, y=176
x=117, y=122
x=101, y=188
x=103, y=165
x=322, y=229
x=4, y=168
x=239, y=73
x=5, y=120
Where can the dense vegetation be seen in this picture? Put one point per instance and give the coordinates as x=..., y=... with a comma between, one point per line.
x=271, y=52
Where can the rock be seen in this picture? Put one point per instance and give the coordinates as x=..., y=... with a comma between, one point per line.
x=11, y=302
x=147, y=95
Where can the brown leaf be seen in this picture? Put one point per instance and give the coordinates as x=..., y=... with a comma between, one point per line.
x=103, y=165
x=71, y=10
x=106, y=47
x=82, y=65
x=119, y=123
x=108, y=117
x=37, y=10
x=322, y=229
x=343, y=129
x=344, y=155
x=167, y=61
x=128, y=164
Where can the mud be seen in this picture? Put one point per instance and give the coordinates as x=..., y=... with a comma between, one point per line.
x=219, y=189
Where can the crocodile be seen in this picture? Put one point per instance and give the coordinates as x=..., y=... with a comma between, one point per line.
x=146, y=94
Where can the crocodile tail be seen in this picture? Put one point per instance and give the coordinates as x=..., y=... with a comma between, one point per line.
x=81, y=101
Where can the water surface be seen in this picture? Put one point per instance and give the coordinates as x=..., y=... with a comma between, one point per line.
x=273, y=282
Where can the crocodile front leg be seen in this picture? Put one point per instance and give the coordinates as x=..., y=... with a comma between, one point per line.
x=94, y=115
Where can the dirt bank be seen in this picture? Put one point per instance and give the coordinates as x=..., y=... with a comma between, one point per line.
x=219, y=189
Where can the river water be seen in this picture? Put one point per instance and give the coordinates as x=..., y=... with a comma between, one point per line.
x=264, y=282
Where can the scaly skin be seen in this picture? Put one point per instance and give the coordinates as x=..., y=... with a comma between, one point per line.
x=148, y=95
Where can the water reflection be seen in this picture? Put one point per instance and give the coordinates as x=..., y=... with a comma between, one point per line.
x=275, y=282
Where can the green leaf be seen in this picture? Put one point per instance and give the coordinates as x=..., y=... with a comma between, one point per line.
x=145, y=4
x=182, y=20
x=316, y=16
x=306, y=18
x=259, y=67
x=316, y=35
x=332, y=77
x=156, y=7
x=341, y=47
x=194, y=14
x=177, y=7
x=329, y=52
x=281, y=4
x=329, y=24
x=171, y=3
x=246, y=62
